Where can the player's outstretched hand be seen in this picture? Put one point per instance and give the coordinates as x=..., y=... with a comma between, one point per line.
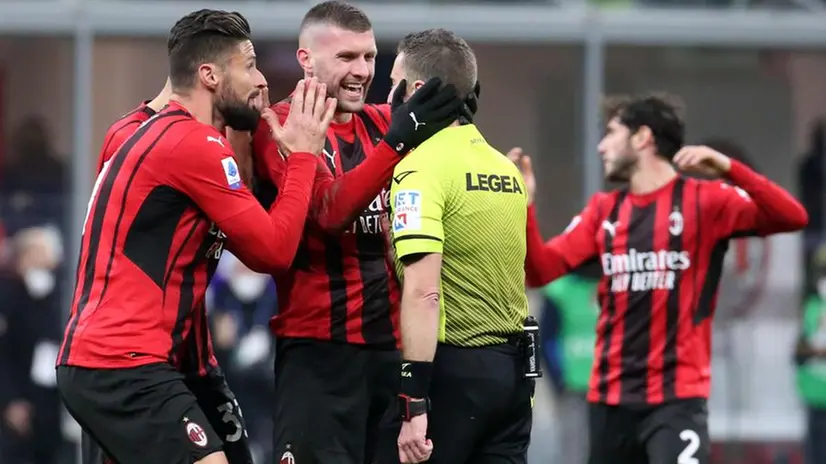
x=702, y=160
x=523, y=162
x=429, y=110
x=305, y=129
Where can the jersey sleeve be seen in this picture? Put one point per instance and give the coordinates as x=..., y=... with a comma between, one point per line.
x=418, y=197
x=264, y=242
x=565, y=252
x=753, y=206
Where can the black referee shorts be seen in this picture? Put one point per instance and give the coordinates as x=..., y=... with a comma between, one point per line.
x=138, y=415
x=481, y=406
x=673, y=432
x=333, y=403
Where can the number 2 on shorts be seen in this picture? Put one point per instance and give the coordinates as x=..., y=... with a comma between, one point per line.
x=687, y=454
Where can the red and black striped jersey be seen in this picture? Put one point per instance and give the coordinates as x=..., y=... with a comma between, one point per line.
x=161, y=211
x=662, y=256
x=342, y=286
x=124, y=127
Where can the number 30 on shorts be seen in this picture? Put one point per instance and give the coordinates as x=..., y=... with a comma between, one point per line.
x=228, y=416
x=687, y=455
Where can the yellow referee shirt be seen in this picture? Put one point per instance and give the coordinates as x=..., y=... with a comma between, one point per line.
x=458, y=196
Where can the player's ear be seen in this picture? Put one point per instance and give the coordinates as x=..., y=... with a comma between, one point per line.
x=416, y=86
x=209, y=76
x=642, y=137
x=304, y=59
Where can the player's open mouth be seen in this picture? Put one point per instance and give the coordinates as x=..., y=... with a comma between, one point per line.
x=353, y=90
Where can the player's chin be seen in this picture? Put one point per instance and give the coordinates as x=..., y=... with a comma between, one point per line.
x=350, y=106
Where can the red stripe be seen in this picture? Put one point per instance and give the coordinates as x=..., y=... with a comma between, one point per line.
x=659, y=319
x=621, y=302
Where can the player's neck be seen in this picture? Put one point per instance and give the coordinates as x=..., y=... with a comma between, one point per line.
x=651, y=177
x=199, y=106
x=162, y=98
x=342, y=118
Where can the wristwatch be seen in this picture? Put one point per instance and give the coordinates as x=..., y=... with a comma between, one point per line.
x=412, y=407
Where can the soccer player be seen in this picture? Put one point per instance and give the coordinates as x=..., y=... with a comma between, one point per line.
x=459, y=217
x=661, y=242
x=337, y=323
x=160, y=214
x=203, y=376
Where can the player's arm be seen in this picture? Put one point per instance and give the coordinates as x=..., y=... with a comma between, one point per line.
x=336, y=201
x=264, y=241
x=754, y=205
x=577, y=244
x=418, y=236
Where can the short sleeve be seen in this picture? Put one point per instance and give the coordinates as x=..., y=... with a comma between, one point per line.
x=208, y=174
x=418, y=201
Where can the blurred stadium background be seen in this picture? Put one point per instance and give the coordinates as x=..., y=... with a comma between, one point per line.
x=752, y=74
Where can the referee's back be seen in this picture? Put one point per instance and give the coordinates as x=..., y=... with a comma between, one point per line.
x=458, y=193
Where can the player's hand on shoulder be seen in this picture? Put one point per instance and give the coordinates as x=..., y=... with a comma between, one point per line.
x=702, y=160
x=523, y=162
x=430, y=109
x=305, y=129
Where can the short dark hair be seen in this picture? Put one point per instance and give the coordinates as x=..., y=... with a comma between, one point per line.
x=658, y=112
x=338, y=13
x=440, y=53
x=200, y=37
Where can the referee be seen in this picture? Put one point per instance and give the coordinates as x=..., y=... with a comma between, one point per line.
x=459, y=218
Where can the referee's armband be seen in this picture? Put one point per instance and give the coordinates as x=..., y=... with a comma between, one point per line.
x=415, y=378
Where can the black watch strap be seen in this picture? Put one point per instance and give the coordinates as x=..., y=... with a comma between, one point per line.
x=412, y=407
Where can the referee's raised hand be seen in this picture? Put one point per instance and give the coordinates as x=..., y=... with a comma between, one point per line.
x=305, y=129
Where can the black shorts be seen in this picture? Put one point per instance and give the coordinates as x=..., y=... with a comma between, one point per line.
x=138, y=415
x=674, y=432
x=481, y=406
x=333, y=403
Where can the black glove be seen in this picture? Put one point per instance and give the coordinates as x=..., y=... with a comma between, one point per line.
x=428, y=111
x=224, y=415
x=471, y=105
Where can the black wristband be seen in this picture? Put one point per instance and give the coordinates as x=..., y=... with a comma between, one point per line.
x=415, y=378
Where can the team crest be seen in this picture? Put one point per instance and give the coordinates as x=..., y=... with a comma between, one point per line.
x=675, y=222
x=196, y=433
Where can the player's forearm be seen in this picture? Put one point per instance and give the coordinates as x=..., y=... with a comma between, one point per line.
x=269, y=244
x=336, y=203
x=419, y=324
x=543, y=263
x=779, y=210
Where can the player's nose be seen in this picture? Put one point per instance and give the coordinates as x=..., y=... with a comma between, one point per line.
x=359, y=68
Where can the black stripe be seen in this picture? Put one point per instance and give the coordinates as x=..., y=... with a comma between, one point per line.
x=416, y=236
x=97, y=216
x=705, y=305
x=610, y=305
x=187, y=291
x=636, y=334
x=675, y=244
x=149, y=238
